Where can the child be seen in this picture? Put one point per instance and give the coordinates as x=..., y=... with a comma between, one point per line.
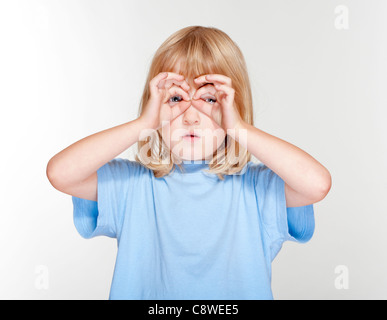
x=194, y=218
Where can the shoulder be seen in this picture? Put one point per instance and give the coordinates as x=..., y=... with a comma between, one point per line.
x=254, y=168
x=260, y=175
x=126, y=162
x=124, y=167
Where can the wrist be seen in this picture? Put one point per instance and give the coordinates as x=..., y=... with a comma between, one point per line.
x=142, y=128
x=239, y=132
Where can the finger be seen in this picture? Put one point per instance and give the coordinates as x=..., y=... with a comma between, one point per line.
x=198, y=104
x=213, y=112
x=154, y=82
x=172, y=75
x=207, y=89
x=202, y=107
x=220, y=78
x=179, y=109
x=214, y=78
x=159, y=77
x=201, y=80
x=168, y=76
x=185, y=85
x=177, y=91
x=230, y=92
x=169, y=83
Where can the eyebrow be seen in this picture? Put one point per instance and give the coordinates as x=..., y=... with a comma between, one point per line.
x=203, y=85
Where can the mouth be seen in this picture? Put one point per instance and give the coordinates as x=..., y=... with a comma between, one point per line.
x=191, y=137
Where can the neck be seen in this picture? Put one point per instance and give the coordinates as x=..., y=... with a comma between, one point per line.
x=190, y=166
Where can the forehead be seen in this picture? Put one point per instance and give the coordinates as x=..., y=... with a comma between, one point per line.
x=191, y=73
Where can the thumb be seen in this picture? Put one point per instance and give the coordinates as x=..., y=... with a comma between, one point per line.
x=180, y=108
x=201, y=106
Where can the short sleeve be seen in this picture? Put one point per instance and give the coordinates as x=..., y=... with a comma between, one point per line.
x=279, y=222
x=104, y=217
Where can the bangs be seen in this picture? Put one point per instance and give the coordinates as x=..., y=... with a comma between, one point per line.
x=191, y=57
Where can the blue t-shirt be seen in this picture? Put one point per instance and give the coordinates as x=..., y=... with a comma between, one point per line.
x=190, y=235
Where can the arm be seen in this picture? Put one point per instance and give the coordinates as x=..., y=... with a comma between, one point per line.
x=306, y=180
x=73, y=170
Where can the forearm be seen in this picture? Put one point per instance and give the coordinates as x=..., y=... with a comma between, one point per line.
x=297, y=168
x=84, y=157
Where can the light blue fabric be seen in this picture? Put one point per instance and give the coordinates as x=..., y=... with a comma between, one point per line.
x=190, y=235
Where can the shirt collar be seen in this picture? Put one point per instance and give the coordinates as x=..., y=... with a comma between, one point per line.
x=191, y=166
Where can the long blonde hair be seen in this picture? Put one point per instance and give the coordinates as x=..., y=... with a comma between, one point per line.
x=201, y=50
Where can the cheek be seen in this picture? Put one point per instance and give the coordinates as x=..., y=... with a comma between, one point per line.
x=165, y=133
x=170, y=134
x=218, y=138
x=218, y=117
x=216, y=127
x=213, y=139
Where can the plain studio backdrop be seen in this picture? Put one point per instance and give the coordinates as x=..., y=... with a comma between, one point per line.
x=318, y=70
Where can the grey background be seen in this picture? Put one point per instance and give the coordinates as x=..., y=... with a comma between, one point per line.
x=73, y=68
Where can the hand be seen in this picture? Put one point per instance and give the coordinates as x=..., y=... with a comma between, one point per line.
x=224, y=96
x=158, y=108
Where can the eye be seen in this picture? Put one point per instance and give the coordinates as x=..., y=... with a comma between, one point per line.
x=175, y=99
x=214, y=100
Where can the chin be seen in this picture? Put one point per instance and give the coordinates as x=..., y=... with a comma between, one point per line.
x=193, y=158
x=191, y=155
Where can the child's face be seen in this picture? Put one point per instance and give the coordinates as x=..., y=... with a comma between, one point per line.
x=209, y=134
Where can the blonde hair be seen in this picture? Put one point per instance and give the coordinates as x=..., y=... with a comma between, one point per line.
x=201, y=50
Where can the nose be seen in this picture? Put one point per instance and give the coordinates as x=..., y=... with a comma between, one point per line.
x=192, y=90
x=191, y=116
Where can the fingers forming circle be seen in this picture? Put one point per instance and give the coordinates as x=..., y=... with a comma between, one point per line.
x=163, y=76
x=176, y=91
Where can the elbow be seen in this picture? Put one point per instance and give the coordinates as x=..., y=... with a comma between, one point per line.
x=325, y=185
x=52, y=174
